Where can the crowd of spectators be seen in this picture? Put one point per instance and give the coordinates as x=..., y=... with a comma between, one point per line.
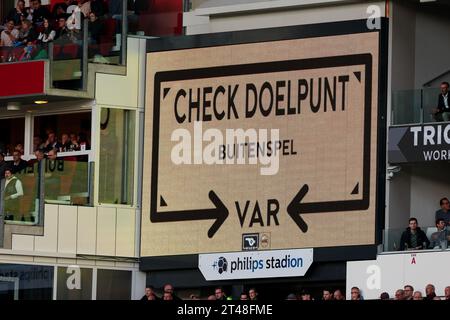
x=407, y=293
x=414, y=238
x=31, y=29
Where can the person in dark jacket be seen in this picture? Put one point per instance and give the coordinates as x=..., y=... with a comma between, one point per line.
x=413, y=237
x=442, y=113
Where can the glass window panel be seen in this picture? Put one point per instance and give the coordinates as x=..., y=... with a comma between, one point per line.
x=117, y=149
x=113, y=285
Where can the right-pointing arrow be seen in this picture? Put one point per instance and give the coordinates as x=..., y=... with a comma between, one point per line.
x=293, y=208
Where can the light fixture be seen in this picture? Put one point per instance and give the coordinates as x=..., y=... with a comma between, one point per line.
x=13, y=106
x=40, y=101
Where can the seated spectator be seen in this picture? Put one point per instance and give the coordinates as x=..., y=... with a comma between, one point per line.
x=413, y=237
x=168, y=288
x=417, y=295
x=338, y=295
x=253, y=294
x=65, y=143
x=40, y=12
x=52, y=142
x=442, y=235
x=9, y=36
x=384, y=296
x=399, y=294
x=17, y=165
x=447, y=293
x=355, y=294
x=63, y=34
x=27, y=33
x=37, y=143
x=167, y=296
x=220, y=294
x=327, y=296
x=48, y=34
x=305, y=295
x=95, y=28
x=83, y=141
x=430, y=292
x=12, y=194
x=409, y=290
x=17, y=14
x=243, y=296
x=444, y=212
x=74, y=145
x=149, y=294
x=19, y=147
x=59, y=9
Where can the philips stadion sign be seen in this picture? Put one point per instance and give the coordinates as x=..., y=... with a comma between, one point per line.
x=248, y=265
x=276, y=139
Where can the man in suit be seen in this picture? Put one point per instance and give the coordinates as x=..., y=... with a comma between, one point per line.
x=444, y=102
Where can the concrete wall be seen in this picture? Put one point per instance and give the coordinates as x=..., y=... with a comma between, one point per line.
x=432, y=55
x=72, y=230
x=267, y=14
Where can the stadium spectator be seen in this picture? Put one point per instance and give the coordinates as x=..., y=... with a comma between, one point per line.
x=95, y=28
x=244, y=296
x=17, y=165
x=40, y=12
x=63, y=34
x=441, y=237
x=417, y=295
x=355, y=294
x=37, y=143
x=326, y=295
x=219, y=293
x=338, y=295
x=17, y=14
x=9, y=36
x=443, y=108
x=74, y=144
x=212, y=297
x=409, y=290
x=149, y=294
x=52, y=142
x=444, y=212
x=430, y=292
x=47, y=34
x=399, y=294
x=447, y=293
x=168, y=288
x=85, y=7
x=384, y=296
x=168, y=296
x=194, y=297
x=19, y=147
x=12, y=194
x=305, y=295
x=253, y=294
x=413, y=237
x=27, y=33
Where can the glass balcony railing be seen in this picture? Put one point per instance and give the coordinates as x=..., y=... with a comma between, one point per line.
x=66, y=181
x=414, y=106
x=437, y=240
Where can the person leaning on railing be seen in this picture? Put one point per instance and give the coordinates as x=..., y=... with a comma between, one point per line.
x=413, y=237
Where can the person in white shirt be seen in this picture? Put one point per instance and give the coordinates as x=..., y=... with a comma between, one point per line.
x=9, y=35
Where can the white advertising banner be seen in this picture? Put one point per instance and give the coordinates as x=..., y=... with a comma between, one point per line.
x=255, y=264
x=393, y=271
